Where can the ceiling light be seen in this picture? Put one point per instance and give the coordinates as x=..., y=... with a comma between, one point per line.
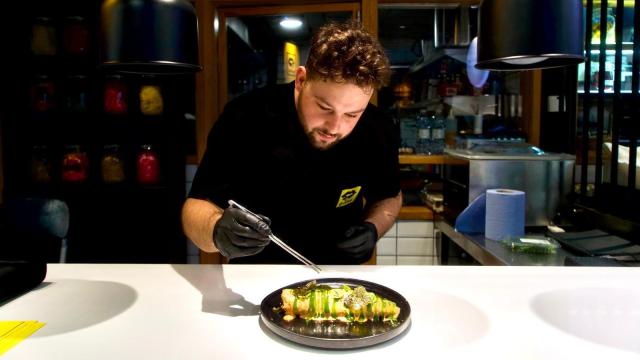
x=290, y=23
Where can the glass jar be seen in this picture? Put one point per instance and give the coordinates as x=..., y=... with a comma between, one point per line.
x=43, y=94
x=75, y=164
x=75, y=36
x=148, y=167
x=115, y=95
x=43, y=36
x=112, y=164
x=151, y=103
x=77, y=93
x=41, y=167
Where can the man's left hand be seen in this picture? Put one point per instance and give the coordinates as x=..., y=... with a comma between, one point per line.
x=359, y=242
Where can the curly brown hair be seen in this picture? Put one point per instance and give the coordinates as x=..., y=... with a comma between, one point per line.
x=345, y=52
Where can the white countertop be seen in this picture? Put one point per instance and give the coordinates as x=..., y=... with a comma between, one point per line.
x=211, y=312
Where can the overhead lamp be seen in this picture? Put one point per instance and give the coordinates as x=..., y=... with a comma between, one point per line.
x=149, y=36
x=530, y=34
x=290, y=23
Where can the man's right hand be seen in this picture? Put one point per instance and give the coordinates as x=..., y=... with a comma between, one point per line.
x=238, y=233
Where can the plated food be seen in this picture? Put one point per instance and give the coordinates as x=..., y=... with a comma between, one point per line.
x=335, y=313
x=321, y=302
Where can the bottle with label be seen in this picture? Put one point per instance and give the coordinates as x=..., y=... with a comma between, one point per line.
x=451, y=130
x=423, y=141
x=437, y=135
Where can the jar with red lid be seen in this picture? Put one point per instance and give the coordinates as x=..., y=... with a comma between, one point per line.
x=148, y=166
x=43, y=94
x=112, y=164
x=43, y=36
x=115, y=95
x=75, y=164
x=75, y=36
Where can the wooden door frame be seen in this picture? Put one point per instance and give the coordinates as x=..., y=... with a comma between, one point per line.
x=225, y=13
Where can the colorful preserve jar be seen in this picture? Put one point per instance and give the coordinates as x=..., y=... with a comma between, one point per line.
x=77, y=93
x=43, y=36
x=41, y=166
x=112, y=164
x=151, y=103
x=148, y=166
x=115, y=95
x=75, y=165
x=76, y=36
x=43, y=94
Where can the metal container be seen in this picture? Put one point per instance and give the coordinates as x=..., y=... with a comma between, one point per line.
x=546, y=178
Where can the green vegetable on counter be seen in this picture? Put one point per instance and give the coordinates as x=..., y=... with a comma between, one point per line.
x=532, y=245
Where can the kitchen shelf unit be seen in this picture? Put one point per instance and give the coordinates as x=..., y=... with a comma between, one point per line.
x=418, y=212
x=111, y=221
x=417, y=159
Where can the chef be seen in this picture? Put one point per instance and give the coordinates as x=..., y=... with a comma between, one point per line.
x=313, y=159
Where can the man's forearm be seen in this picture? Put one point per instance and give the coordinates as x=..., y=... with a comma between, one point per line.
x=383, y=213
x=198, y=220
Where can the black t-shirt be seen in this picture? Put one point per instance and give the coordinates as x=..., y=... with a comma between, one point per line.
x=258, y=155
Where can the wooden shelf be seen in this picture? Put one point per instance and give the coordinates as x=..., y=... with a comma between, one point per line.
x=421, y=159
x=415, y=213
x=418, y=212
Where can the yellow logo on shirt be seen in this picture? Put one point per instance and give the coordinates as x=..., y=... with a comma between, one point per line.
x=348, y=196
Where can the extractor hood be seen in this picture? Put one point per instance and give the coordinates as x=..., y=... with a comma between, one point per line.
x=458, y=53
x=457, y=50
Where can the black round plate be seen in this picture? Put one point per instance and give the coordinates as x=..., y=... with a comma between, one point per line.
x=335, y=334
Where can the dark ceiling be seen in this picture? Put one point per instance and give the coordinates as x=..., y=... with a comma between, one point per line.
x=401, y=30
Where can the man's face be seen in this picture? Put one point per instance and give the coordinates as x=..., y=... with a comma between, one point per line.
x=328, y=111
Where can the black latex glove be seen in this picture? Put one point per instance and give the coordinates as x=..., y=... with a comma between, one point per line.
x=238, y=233
x=358, y=244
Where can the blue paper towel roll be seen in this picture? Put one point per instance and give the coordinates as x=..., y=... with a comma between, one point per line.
x=504, y=214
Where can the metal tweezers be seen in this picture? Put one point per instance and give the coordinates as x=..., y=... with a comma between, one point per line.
x=277, y=240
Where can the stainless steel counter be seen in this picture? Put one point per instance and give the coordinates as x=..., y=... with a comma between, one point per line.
x=489, y=252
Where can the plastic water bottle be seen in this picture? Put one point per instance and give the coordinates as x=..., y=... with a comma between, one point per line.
x=437, y=135
x=450, y=130
x=423, y=141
